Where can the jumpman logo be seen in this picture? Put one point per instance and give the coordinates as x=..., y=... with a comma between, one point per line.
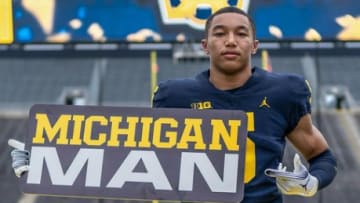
x=264, y=103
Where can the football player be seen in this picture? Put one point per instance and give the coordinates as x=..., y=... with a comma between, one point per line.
x=278, y=105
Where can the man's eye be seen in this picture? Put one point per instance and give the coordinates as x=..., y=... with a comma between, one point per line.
x=242, y=34
x=219, y=34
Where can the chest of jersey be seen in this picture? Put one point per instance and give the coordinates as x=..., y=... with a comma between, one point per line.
x=262, y=110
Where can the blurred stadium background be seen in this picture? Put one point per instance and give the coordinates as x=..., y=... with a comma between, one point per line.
x=92, y=52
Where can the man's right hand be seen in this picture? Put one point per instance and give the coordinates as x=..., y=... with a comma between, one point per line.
x=20, y=157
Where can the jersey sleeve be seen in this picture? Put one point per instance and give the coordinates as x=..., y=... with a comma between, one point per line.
x=300, y=100
x=159, y=96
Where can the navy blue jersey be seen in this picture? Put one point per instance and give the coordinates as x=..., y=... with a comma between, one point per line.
x=274, y=104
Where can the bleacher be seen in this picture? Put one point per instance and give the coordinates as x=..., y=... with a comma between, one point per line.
x=40, y=80
x=27, y=81
x=10, y=127
x=341, y=70
x=127, y=79
x=126, y=82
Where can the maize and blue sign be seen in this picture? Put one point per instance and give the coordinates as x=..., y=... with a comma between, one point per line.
x=136, y=153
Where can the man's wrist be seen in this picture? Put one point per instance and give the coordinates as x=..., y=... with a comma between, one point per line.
x=323, y=167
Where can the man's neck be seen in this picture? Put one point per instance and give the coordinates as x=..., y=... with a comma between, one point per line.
x=229, y=81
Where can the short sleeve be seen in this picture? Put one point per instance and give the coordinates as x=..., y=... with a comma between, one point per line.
x=300, y=100
x=159, y=96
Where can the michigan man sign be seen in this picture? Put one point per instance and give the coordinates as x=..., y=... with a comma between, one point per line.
x=136, y=153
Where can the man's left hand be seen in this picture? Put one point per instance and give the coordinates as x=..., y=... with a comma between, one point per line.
x=298, y=182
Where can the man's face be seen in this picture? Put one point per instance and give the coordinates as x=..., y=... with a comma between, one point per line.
x=230, y=43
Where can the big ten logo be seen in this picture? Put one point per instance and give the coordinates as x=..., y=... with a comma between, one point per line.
x=194, y=12
x=201, y=105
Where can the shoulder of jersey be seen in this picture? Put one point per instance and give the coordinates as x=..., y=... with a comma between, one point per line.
x=179, y=84
x=286, y=79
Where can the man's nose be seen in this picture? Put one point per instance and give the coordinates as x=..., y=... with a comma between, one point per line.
x=230, y=41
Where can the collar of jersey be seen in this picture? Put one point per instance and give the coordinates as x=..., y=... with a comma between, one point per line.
x=256, y=75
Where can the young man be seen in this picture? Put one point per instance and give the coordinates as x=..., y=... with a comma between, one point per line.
x=279, y=103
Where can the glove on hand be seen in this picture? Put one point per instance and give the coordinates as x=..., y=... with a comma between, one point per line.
x=20, y=157
x=298, y=182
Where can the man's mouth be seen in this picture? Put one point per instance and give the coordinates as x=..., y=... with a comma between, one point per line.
x=230, y=54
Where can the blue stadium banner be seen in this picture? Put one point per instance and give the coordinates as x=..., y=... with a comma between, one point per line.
x=56, y=21
x=136, y=153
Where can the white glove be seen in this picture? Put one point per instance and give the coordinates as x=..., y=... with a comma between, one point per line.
x=20, y=157
x=298, y=182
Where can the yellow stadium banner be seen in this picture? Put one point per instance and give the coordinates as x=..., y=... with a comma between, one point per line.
x=154, y=68
x=266, y=61
x=6, y=22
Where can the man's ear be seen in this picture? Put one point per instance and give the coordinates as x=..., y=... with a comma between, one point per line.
x=255, y=46
x=204, y=46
